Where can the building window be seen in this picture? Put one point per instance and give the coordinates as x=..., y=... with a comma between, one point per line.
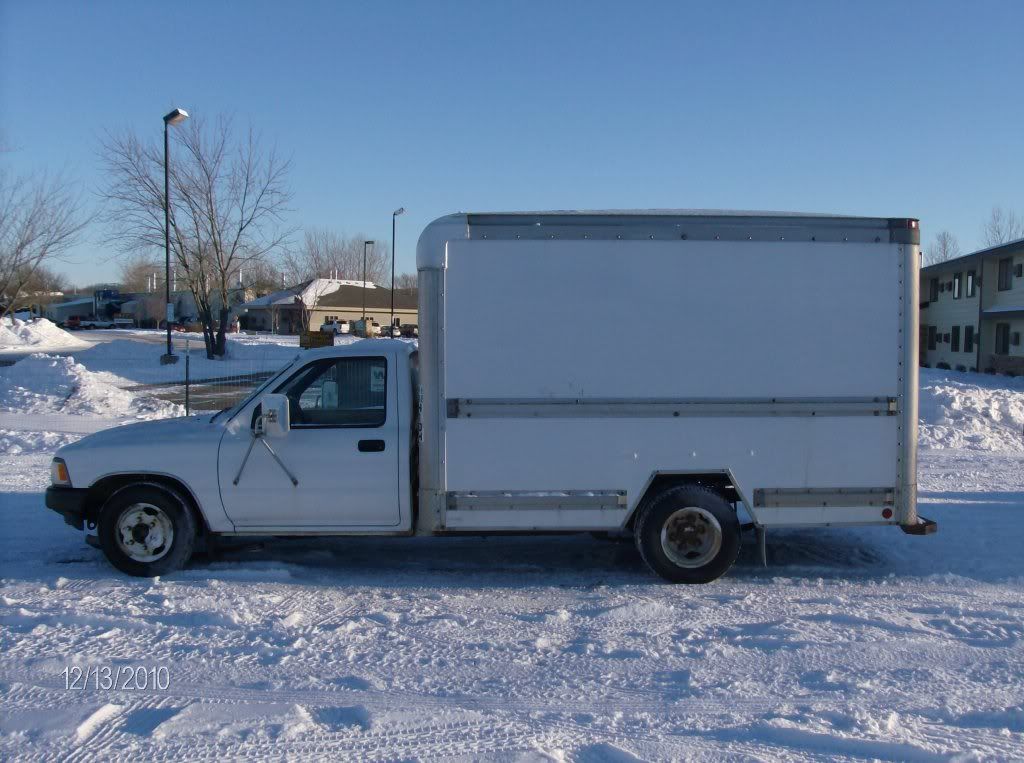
x=968, y=338
x=931, y=337
x=933, y=290
x=1006, y=274
x=956, y=285
x=970, y=284
x=1002, y=339
x=954, y=339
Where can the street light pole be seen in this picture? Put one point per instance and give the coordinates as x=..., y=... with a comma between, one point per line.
x=395, y=214
x=175, y=117
x=365, y=245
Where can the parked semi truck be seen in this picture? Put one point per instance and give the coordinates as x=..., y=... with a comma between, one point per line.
x=786, y=396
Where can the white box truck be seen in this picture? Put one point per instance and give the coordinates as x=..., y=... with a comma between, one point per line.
x=783, y=395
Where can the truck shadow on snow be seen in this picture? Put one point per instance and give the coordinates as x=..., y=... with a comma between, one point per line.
x=852, y=552
x=507, y=560
x=874, y=552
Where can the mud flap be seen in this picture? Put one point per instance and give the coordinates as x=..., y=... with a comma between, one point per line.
x=923, y=526
x=762, y=545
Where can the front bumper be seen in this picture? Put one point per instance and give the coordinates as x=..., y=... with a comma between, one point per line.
x=69, y=502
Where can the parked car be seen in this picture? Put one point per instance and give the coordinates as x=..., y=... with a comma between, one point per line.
x=683, y=447
x=85, y=322
x=410, y=330
x=336, y=327
x=391, y=332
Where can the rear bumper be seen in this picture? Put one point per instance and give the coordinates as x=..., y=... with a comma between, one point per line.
x=69, y=502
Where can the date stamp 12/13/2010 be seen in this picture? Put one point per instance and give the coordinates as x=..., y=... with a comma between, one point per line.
x=116, y=678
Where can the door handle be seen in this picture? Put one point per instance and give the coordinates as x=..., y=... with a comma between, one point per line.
x=371, y=446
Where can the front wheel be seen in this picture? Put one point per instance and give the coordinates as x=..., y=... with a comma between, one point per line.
x=688, y=534
x=147, y=530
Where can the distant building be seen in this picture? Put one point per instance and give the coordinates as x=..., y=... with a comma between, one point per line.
x=282, y=311
x=58, y=312
x=972, y=310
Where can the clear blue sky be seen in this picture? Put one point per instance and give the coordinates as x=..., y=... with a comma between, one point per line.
x=853, y=107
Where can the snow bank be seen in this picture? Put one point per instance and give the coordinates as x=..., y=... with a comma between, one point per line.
x=139, y=362
x=39, y=334
x=18, y=443
x=971, y=412
x=46, y=384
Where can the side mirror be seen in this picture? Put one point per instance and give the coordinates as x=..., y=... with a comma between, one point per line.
x=275, y=421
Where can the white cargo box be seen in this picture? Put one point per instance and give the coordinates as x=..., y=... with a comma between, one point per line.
x=580, y=357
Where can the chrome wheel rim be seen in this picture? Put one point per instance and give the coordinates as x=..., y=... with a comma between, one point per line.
x=144, y=532
x=691, y=537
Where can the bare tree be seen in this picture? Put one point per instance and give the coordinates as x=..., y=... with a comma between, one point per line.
x=137, y=270
x=228, y=199
x=262, y=277
x=944, y=247
x=1002, y=226
x=308, y=298
x=40, y=219
x=406, y=281
x=326, y=254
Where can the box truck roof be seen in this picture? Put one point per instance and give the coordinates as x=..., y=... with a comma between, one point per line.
x=660, y=225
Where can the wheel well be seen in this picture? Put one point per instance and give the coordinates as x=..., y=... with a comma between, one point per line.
x=720, y=482
x=102, y=489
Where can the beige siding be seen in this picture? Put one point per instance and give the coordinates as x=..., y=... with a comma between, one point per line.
x=383, y=317
x=947, y=312
x=993, y=297
x=989, y=330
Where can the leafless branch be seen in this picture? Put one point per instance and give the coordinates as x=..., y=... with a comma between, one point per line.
x=229, y=199
x=41, y=217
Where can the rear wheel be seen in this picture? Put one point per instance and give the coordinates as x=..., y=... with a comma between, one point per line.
x=147, y=530
x=688, y=534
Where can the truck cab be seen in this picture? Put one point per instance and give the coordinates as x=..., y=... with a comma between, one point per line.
x=349, y=421
x=337, y=458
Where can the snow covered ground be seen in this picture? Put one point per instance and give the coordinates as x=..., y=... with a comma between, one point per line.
x=852, y=644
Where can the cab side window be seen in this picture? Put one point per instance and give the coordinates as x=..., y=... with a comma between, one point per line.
x=342, y=392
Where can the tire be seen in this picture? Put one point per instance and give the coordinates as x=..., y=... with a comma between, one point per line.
x=143, y=514
x=688, y=534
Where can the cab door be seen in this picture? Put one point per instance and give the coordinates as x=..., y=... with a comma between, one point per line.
x=341, y=447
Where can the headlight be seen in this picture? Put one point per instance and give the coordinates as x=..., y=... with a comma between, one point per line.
x=59, y=473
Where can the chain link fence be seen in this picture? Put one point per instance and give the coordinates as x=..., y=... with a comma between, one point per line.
x=204, y=387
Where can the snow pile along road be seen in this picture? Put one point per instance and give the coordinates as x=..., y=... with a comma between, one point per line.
x=46, y=384
x=38, y=335
x=139, y=362
x=971, y=412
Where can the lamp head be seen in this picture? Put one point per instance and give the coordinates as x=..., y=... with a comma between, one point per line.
x=399, y=211
x=176, y=117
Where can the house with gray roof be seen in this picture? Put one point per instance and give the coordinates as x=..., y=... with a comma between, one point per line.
x=281, y=312
x=972, y=311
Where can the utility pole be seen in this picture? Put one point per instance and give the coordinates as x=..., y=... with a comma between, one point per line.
x=365, y=245
x=175, y=117
x=395, y=214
